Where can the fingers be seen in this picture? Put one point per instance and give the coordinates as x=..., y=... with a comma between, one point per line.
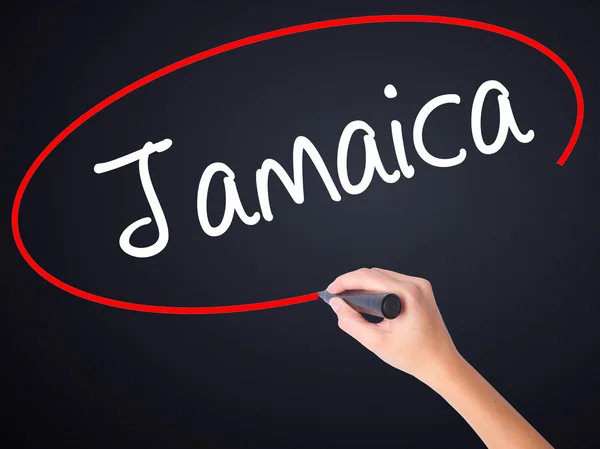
x=423, y=284
x=374, y=280
x=351, y=322
x=397, y=276
x=363, y=279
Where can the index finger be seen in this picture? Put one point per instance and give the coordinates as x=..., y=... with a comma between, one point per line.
x=363, y=279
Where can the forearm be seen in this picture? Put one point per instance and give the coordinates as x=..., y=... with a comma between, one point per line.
x=496, y=422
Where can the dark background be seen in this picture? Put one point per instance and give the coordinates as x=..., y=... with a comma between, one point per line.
x=509, y=241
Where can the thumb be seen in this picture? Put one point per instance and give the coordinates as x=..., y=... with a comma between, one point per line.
x=351, y=322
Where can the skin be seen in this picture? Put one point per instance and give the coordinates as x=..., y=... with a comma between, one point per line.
x=418, y=343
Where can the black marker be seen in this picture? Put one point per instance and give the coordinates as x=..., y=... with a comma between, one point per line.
x=383, y=305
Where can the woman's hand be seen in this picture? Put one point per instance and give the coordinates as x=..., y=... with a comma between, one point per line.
x=417, y=341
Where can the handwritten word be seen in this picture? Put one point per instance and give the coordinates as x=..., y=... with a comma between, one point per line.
x=302, y=145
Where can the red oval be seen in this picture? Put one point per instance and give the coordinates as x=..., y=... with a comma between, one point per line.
x=231, y=46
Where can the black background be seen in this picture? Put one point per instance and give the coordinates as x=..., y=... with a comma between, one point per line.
x=509, y=241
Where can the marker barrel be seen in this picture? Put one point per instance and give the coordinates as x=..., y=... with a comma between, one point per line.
x=383, y=305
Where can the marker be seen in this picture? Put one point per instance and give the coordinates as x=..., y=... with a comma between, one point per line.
x=383, y=305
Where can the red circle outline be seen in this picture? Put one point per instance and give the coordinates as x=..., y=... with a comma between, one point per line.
x=231, y=46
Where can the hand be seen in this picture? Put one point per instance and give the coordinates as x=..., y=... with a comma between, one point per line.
x=417, y=341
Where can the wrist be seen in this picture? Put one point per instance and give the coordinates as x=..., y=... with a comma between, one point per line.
x=444, y=369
